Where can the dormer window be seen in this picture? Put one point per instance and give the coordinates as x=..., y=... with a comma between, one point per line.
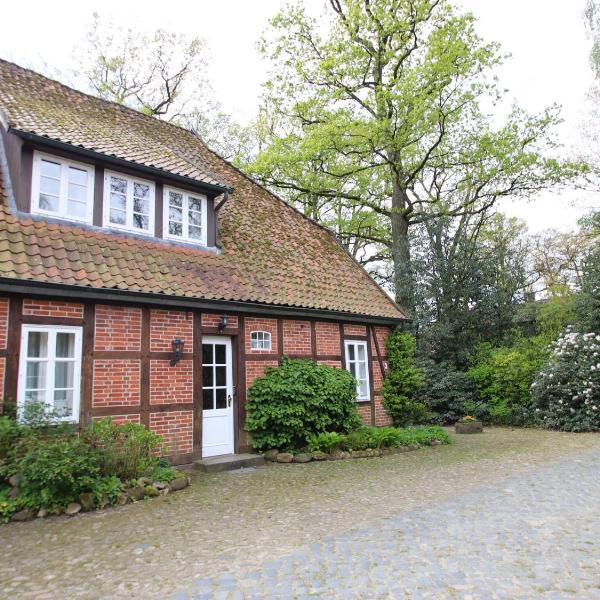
x=260, y=340
x=128, y=203
x=62, y=188
x=184, y=216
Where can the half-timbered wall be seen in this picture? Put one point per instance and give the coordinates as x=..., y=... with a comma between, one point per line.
x=126, y=351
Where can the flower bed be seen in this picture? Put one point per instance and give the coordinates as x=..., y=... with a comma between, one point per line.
x=49, y=468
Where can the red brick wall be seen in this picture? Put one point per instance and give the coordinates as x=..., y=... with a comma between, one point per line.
x=382, y=334
x=52, y=308
x=337, y=364
x=259, y=324
x=257, y=368
x=118, y=328
x=381, y=416
x=213, y=320
x=377, y=376
x=171, y=384
x=352, y=329
x=364, y=410
x=176, y=428
x=328, y=338
x=116, y=382
x=167, y=325
x=296, y=337
x=120, y=419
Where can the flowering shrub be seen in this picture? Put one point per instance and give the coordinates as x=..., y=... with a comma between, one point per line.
x=566, y=392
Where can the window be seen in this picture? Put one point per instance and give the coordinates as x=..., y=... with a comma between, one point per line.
x=357, y=363
x=184, y=216
x=128, y=203
x=62, y=188
x=260, y=340
x=50, y=369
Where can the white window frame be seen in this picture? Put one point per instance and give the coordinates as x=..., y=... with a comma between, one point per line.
x=52, y=331
x=356, y=344
x=128, y=203
x=266, y=337
x=63, y=187
x=186, y=199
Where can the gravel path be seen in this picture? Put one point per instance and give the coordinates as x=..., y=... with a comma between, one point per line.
x=506, y=514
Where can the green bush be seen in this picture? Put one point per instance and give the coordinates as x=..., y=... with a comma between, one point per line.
x=298, y=400
x=325, y=442
x=403, y=381
x=127, y=450
x=393, y=437
x=163, y=474
x=106, y=490
x=447, y=392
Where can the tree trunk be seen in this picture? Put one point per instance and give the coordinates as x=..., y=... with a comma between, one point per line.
x=403, y=277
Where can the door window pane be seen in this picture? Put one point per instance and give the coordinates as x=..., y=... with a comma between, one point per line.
x=207, y=376
x=207, y=399
x=221, y=375
x=207, y=354
x=220, y=354
x=221, y=398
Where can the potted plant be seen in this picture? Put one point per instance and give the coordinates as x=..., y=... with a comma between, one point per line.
x=468, y=424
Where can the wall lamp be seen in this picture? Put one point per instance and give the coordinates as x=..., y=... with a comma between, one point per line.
x=223, y=322
x=177, y=345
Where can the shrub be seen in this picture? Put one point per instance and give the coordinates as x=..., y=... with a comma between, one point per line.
x=298, y=400
x=402, y=382
x=566, y=392
x=106, y=490
x=127, y=450
x=163, y=474
x=325, y=442
x=447, y=392
x=394, y=437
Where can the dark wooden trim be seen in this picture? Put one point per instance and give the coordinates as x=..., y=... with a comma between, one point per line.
x=11, y=376
x=356, y=338
x=158, y=208
x=262, y=356
x=3, y=354
x=197, y=383
x=136, y=354
x=280, y=338
x=371, y=383
x=87, y=366
x=342, y=346
x=240, y=381
x=251, y=356
x=377, y=350
x=313, y=339
x=38, y=320
x=171, y=406
x=109, y=411
x=337, y=357
x=145, y=369
x=98, y=213
x=217, y=331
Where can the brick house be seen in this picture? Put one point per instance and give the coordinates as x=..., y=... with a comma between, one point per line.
x=144, y=277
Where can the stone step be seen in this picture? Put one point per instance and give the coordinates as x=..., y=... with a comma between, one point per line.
x=228, y=462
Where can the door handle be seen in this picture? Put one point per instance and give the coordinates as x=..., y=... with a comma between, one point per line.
x=228, y=400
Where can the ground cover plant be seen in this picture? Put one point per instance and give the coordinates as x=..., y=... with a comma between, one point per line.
x=47, y=467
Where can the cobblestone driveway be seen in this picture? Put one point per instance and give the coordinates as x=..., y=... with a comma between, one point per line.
x=507, y=514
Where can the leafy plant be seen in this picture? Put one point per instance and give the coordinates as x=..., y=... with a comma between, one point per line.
x=298, y=400
x=325, y=442
x=403, y=381
x=106, y=490
x=163, y=474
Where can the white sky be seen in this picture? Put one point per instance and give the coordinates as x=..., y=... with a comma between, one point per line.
x=546, y=39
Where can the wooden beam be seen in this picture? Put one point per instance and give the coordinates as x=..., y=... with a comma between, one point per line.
x=87, y=366
x=197, y=382
x=145, y=369
x=11, y=375
x=313, y=339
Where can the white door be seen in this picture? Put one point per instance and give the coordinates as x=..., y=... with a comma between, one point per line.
x=217, y=396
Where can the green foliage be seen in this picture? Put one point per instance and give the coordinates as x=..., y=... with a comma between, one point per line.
x=566, y=392
x=503, y=377
x=393, y=437
x=298, y=400
x=127, y=450
x=588, y=303
x=447, y=392
x=8, y=506
x=325, y=442
x=403, y=381
x=106, y=490
x=162, y=473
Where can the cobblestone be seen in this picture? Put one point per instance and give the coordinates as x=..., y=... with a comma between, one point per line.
x=506, y=514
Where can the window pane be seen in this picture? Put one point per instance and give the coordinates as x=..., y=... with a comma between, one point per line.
x=351, y=351
x=207, y=376
x=48, y=202
x=140, y=222
x=65, y=345
x=117, y=217
x=195, y=218
x=63, y=402
x=33, y=396
x=175, y=214
x=118, y=185
x=360, y=350
x=76, y=209
x=63, y=374
x=221, y=398
x=221, y=375
x=207, y=399
x=50, y=169
x=207, y=354
x=141, y=190
x=36, y=376
x=219, y=354
x=195, y=204
x=77, y=192
x=362, y=389
x=352, y=368
x=50, y=186
x=118, y=201
x=362, y=371
x=175, y=199
x=175, y=229
x=141, y=206
x=78, y=176
x=195, y=233
x=37, y=344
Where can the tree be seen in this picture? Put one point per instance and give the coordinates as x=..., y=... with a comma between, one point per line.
x=385, y=112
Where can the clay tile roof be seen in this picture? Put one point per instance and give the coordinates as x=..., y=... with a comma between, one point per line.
x=270, y=253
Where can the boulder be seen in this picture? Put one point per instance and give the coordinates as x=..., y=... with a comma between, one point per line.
x=87, y=501
x=318, y=455
x=302, y=458
x=144, y=481
x=72, y=509
x=468, y=427
x=42, y=513
x=23, y=515
x=179, y=483
x=344, y=455
x=271, y=455
x=151, y=491
x=359, y=453
x=435, y=443
x=136, y=492
x=160, y=485
x=285, y=457
x=123, y=498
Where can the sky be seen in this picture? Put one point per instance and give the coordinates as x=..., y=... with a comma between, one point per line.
x=545, y=38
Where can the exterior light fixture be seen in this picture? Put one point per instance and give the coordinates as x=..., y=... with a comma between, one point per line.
x=223, y=322
x=177, y=345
